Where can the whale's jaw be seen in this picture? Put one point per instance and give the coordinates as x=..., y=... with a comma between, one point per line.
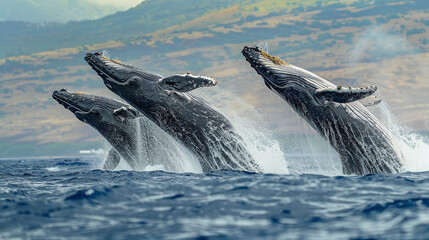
x=75, y=102
x=83, y=105
x=271, y=68
x=111, y=71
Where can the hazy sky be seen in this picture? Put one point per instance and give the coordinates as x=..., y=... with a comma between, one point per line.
x=122, y=4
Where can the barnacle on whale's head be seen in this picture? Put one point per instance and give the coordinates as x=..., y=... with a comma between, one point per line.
x=274, y=59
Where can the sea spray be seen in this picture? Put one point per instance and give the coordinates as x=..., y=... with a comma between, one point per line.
x=302, y=153
x=378, y=43
x=123, y=165
x=260, y=143
x=320, y=157
x=168, y=153
x=264, y=46
x=158, y=151
x=143, y=143
x=265, y=149
x=414, y=147
x=308, y=152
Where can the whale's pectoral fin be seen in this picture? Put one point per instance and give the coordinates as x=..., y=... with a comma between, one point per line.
x=370, y=101
x=112, y=160
x=345, y=95
x=124, y=113
x=186, y=82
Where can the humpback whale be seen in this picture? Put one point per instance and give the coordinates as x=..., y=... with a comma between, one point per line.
x=118, y=123
x=166, y=101
x=365, y=146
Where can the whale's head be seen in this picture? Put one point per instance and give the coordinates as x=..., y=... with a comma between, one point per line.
x=279, y=74
x=100, y=112
x=276, y=72
x=123, y=79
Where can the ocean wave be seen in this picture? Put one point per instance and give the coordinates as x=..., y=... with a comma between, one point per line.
x=81, y=202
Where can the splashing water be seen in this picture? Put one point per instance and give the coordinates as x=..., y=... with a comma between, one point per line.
x=165, y=151
x=415, y=147
x=105, y=53
x=141, y=145
x=264, y=46
x=311, y=154
x=264, y=148
x=159, y=151
x=377, y=43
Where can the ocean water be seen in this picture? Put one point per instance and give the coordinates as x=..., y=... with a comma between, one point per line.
x=69, y=198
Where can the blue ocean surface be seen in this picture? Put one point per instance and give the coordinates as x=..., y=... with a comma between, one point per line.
x=68, y=198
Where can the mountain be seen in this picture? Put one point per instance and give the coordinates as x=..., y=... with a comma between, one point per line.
x=22, y=38
x=62, y=11
x=349, y=42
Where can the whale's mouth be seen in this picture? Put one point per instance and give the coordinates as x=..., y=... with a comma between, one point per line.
x=76, y=102
x=271, y=68
x=111, y=71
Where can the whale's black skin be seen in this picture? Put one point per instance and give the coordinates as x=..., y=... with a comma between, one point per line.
x=364, y=144
x=203, y=130
x=99, y=112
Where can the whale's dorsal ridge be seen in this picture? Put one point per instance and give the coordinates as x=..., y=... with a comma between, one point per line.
x=186, y=82
x=342, y=94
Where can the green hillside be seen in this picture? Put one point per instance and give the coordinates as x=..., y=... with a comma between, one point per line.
x=23, y=38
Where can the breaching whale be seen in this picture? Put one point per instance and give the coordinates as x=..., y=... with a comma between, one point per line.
x=118, y=123
x=204, y=131
x=365, y=146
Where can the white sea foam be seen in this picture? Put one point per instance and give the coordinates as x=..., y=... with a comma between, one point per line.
x=53, y=169
x=414, y=146
x=155, y=168
x=261, y=145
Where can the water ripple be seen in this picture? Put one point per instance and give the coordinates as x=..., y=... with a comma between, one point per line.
x=84, y=203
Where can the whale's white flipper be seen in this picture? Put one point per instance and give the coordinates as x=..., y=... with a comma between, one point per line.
x=342, y=94
x=112, y=160
x=186, y=82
